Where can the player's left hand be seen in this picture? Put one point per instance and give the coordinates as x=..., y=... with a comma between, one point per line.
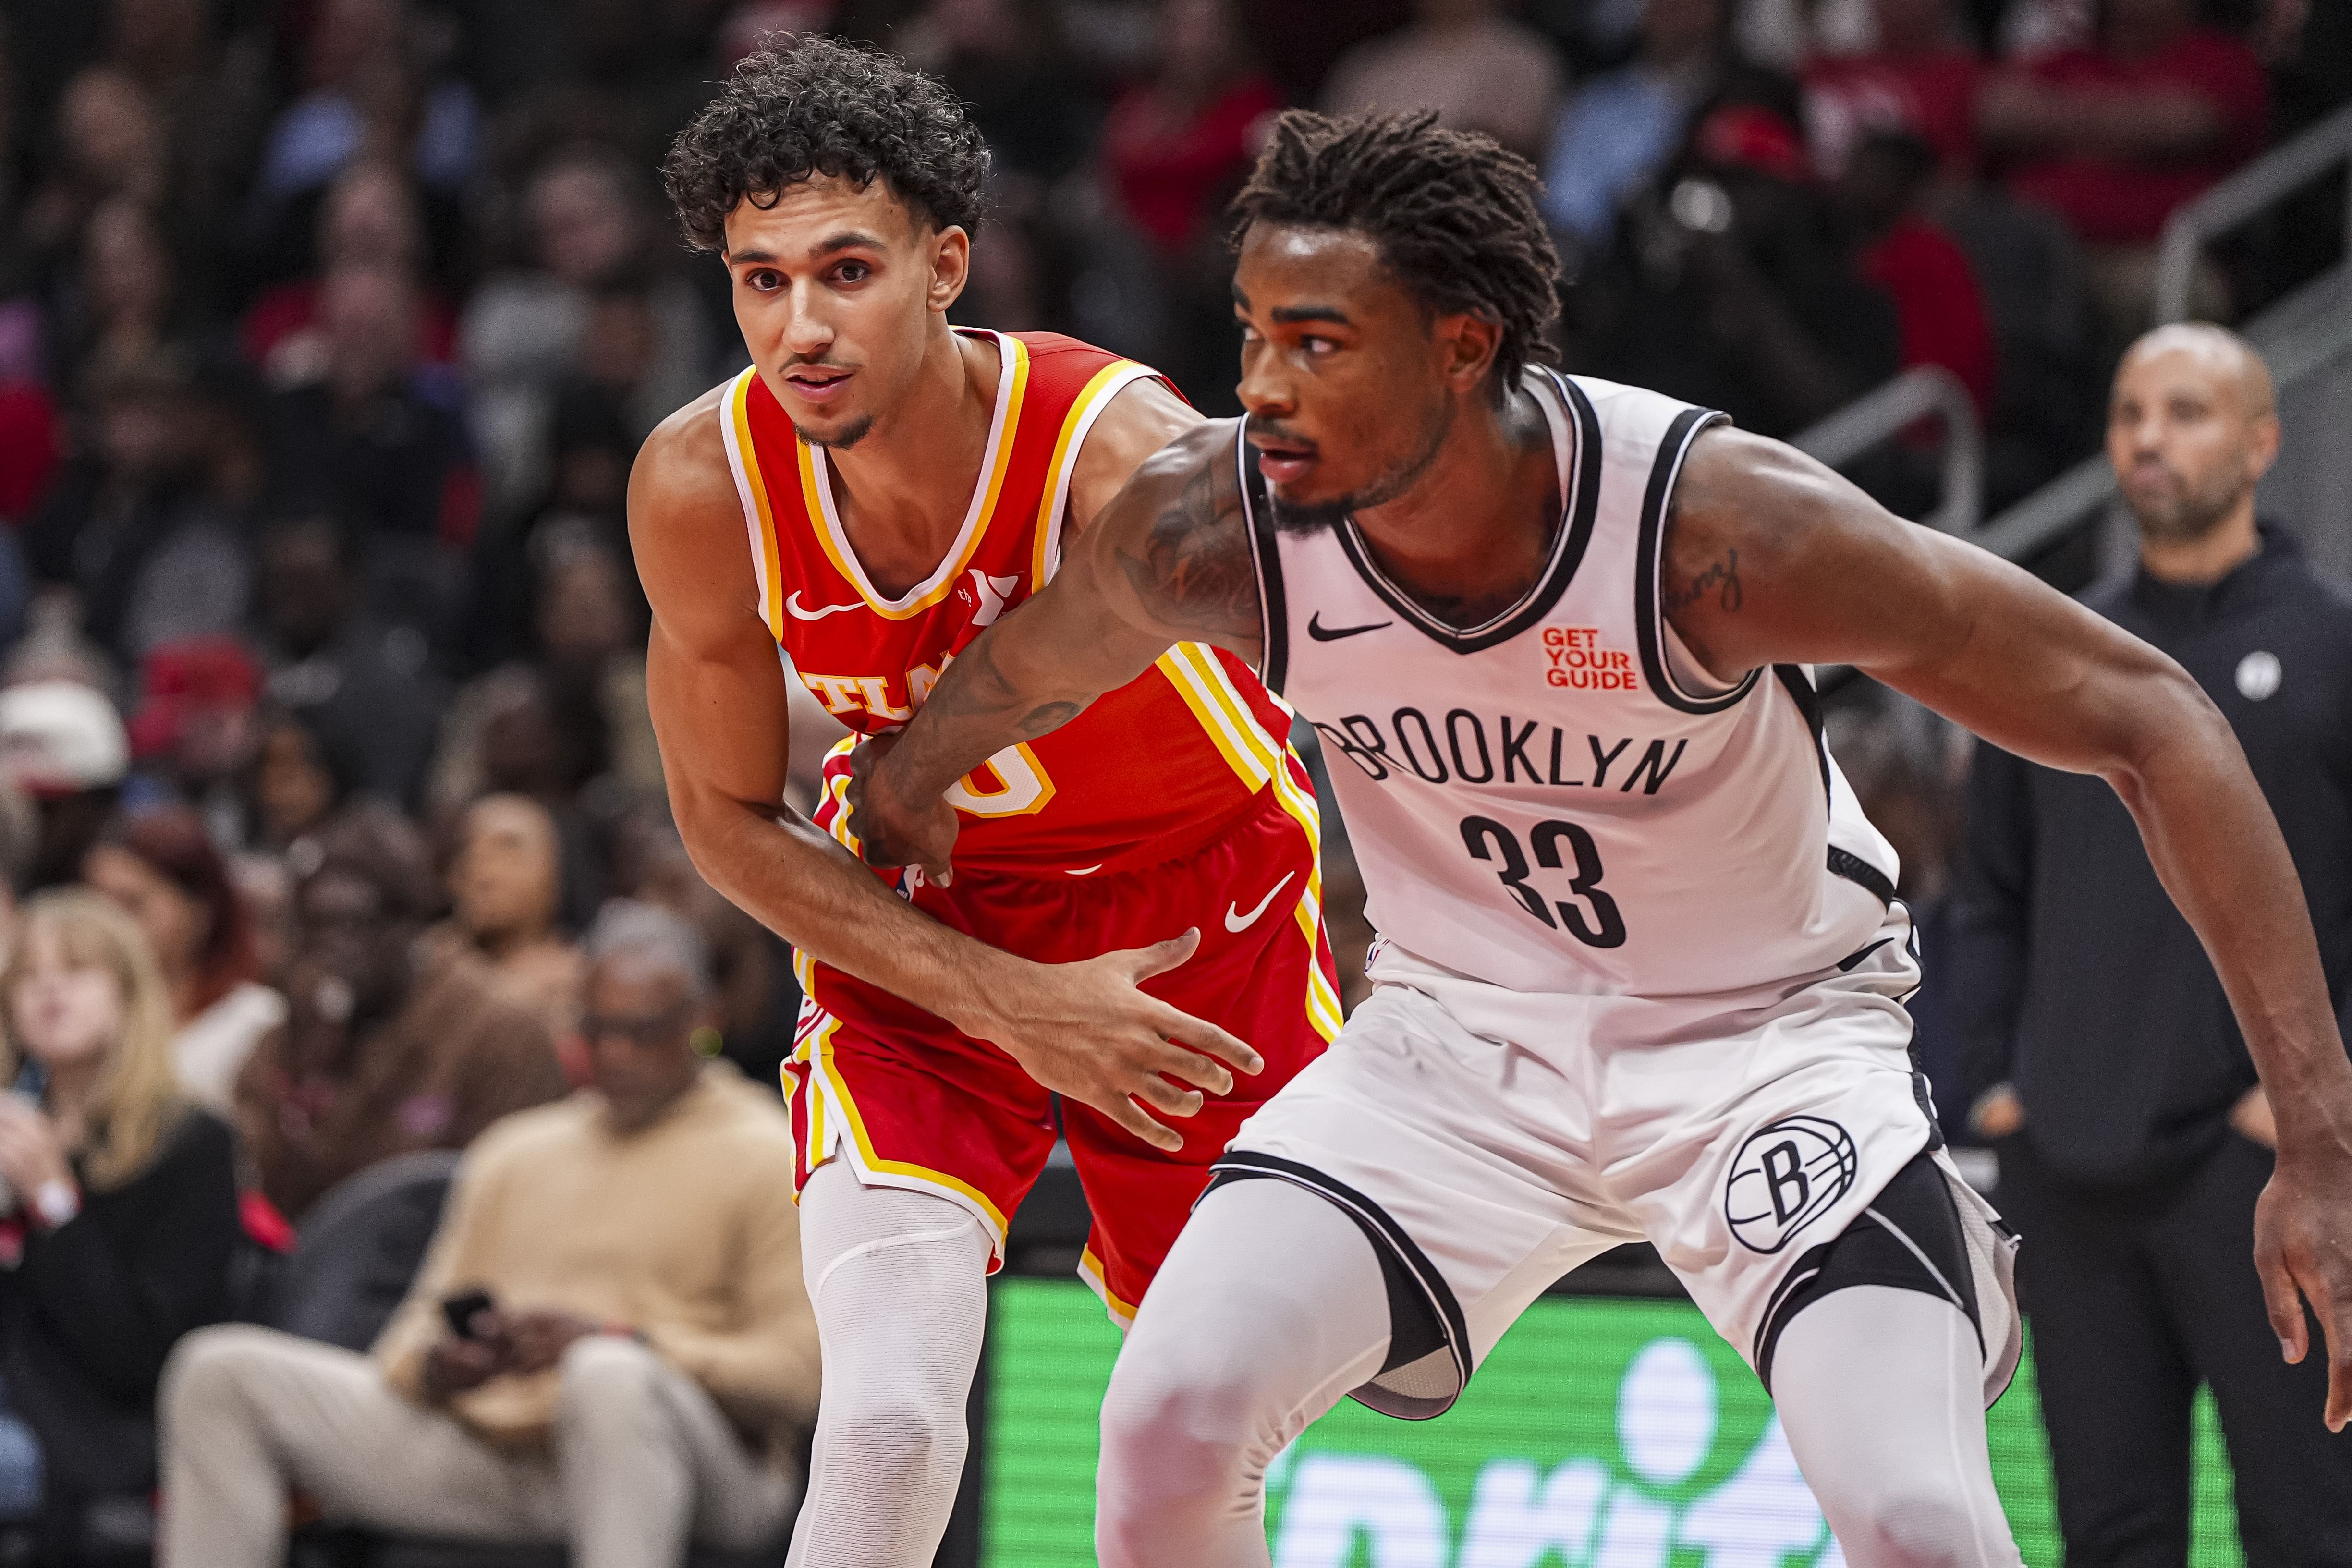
x=2303, y=1248
x=889, y=831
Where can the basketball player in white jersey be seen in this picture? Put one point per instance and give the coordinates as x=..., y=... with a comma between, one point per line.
x=1640, y=970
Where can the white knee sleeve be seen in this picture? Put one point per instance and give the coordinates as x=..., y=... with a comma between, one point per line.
x=900, y=1282
x=1881, y=1392
x=1271, y=1306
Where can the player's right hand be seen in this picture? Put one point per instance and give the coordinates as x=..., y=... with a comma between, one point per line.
x=2303, y=1249
x=1088, y=1032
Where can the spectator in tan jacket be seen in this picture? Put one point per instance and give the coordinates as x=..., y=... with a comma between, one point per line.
x=646, y=1364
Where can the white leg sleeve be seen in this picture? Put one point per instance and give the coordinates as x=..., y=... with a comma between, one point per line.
x=900, y=1282
x=1881, y=1392
x=1269, y=1309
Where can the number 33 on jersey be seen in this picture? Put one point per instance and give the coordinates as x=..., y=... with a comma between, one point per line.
x=1560, y=800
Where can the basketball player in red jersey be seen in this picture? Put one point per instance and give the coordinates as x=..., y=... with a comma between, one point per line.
x=873, y=493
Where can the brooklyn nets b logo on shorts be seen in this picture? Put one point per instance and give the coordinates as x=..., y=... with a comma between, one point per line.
x=1786, y=1177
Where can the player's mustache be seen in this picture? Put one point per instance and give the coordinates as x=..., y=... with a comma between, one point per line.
x=1266, y=432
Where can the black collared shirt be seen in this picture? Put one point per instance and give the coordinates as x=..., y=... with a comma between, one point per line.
x=2071, y=974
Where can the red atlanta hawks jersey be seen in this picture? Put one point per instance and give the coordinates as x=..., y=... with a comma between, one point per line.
x=1149, y=772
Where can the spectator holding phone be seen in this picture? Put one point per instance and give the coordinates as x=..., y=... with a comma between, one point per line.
x=119, y=1214
x=609, y=1344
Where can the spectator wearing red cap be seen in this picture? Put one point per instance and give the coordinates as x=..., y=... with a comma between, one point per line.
x=193, y=732
x=162, y=869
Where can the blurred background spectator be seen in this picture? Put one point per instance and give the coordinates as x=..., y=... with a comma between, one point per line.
x=162, y=868
x=359, y=688
x=1920, y=75
x=121, y=1213
x=379, y=1055
x=506, y=886
x=639, y=1367
x=1464, y=59
x=2116, y=132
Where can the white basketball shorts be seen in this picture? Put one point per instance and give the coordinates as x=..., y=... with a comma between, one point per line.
x=1491, y=1140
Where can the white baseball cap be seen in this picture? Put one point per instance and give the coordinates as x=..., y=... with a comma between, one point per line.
x=60, y=737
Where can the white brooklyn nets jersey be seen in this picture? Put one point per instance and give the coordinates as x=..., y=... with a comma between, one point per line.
x=1558, y=799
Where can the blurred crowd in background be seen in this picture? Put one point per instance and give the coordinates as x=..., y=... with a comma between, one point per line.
x=329, y=329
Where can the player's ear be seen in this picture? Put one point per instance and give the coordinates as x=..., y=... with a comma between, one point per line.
x=951, y=265
x=1468, y=345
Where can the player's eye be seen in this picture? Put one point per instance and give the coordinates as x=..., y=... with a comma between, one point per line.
x=853, y=271
x=763, y=281
x=1319, y=346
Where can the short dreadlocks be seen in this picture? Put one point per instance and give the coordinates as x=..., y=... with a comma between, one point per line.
x=1453, y=214
x=800, y=108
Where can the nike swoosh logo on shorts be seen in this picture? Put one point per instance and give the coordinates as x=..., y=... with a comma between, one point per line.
x=793, y=603
x=1322, y=633
x=1237, y=921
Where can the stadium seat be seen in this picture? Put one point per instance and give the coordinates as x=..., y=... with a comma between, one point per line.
x=357, y=1249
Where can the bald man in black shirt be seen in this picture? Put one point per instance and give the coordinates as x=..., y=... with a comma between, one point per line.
x=2101, y=1052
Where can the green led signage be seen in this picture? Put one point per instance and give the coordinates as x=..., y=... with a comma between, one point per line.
x=1602, y=1432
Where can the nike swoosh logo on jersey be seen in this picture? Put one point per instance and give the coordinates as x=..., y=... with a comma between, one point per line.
x=1235, y=921
x=793, y=603
x=1322, y=633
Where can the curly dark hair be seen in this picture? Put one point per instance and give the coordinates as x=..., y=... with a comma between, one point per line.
x=798, y=107
x=1453, y=214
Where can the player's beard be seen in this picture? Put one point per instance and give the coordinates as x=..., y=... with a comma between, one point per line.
x=1315, y=516
x=850, y=434
x=2185, y=511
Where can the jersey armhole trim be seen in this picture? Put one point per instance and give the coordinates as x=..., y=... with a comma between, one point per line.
x=1800, y=688
x=752, y=490
x=1265, y=555
x=1046, y=556
x=1648, y=561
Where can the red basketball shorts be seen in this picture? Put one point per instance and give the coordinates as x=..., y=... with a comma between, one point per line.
x=911, y=1102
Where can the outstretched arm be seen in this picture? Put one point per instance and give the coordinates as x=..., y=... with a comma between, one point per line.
x=1167, y=561
x=1772, y=558
x=716, y=687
